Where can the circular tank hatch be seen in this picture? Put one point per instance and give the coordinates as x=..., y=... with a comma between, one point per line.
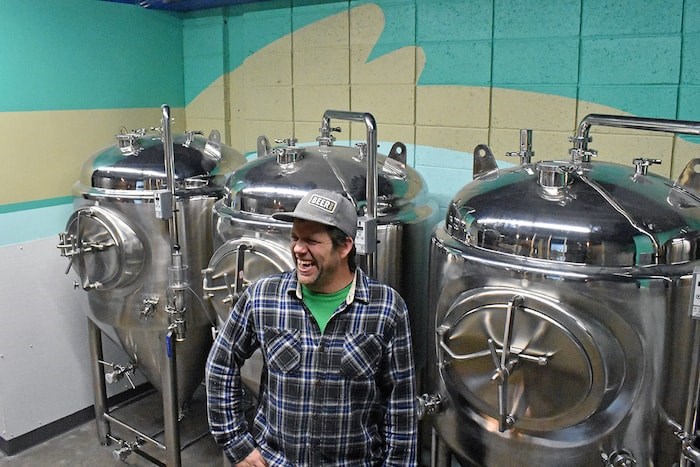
x=237, y=264
x=559, y=367
x=103, y=250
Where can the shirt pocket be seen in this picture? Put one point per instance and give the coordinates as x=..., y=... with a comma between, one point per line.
x=361, y=355
x=282, y=349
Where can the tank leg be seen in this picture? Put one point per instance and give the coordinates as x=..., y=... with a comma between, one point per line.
x=98, y=381
x=170, y=403
x=439, y=454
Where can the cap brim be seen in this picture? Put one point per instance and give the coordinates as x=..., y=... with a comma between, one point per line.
x=290, y=216
x=284, y=216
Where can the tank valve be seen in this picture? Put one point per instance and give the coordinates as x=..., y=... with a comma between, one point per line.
x=526, y=153
x=429, y=404
x=326, y=138
x=361, y=152
x=290, y=153
x=126, y=448
x=621, y=458
x=190, y=137
x=149, y=307
x=118, y=372
x=688, y=440
x=121, y=454
x=580, y=152
x=641, y=165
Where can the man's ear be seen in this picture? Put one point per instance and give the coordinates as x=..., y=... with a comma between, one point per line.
x=346, y=248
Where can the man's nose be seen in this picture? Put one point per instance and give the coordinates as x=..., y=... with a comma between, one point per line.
x=300, y=245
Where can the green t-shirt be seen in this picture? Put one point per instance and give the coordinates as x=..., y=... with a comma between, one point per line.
x=323, y=305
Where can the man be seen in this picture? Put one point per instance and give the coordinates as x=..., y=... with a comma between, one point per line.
x=338, y=387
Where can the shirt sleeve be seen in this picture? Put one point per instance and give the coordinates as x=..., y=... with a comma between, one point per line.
x=235, y=342
x=401, y=419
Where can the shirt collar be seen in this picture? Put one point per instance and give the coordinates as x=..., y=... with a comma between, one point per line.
x=358, y=289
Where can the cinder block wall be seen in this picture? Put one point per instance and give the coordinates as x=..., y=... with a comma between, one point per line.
x=444, y=76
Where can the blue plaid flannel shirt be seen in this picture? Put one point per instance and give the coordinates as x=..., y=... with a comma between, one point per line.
x=344, y=398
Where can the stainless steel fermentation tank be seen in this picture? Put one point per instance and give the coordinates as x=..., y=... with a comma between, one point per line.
x=138, y=238
x=395, y=211
x=560, y=324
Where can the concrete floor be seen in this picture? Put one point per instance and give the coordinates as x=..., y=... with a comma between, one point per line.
x=80, y=447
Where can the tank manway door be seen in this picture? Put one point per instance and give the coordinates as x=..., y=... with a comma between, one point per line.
x=238, y=263
x=526, y=361
x=103, y=250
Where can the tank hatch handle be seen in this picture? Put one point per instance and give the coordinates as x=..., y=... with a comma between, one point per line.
x=71, y=246
x=504, y=365
x=525, y=153
x=484, y=161
x=234, y=290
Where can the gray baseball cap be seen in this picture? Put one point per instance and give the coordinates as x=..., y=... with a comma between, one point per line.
x=325, y=207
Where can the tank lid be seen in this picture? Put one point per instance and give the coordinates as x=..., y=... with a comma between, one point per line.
x=137, y=162
x=578, y=212
x=267, y=185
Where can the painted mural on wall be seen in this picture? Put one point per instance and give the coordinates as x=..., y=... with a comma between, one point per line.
x=439, y=75
x=444, y=76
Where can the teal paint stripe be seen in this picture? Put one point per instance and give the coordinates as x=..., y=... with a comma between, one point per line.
x=33, y=224
x=536, y=18
x=204, y=52
x=85, y=54
x=631, y=17
x=653, y=101
x=29, y=205
x=251, y=28
x=306, y=12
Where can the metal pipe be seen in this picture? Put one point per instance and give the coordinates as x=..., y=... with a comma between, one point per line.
x=169, y=152
x=636, y=123
x=439, y=454
x=170, y=402
x=98, y=381
x=134, y=431
x=372, y=183
x=633, y=223
x=178, y=282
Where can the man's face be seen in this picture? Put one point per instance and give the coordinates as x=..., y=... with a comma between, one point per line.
x=319, y=264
